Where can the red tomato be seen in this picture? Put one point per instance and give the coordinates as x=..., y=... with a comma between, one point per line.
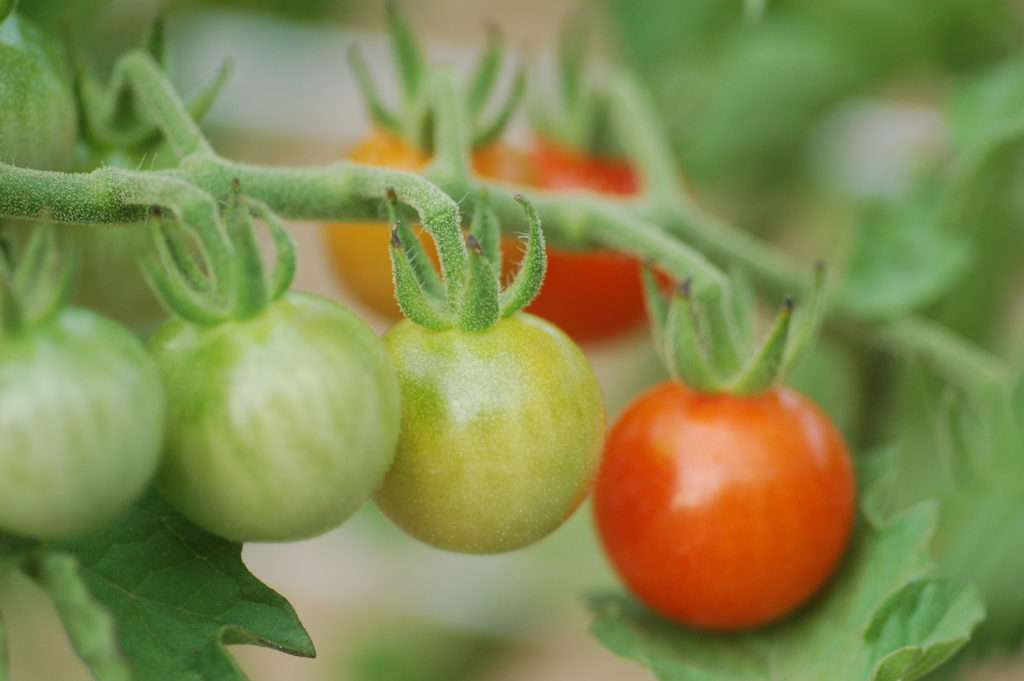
x=591, y=295
x=724, y=512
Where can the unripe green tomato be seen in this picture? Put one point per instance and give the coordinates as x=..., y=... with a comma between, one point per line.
x=280, y=426
x=81, y=424
x=37, y=112
x=501, y=434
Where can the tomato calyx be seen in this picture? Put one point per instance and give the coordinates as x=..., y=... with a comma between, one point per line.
x=110, y=115
x=413, y=120
x=228, y=280
x=35, y=285
x=704, y=344
x=580, y=118
x=480, y=302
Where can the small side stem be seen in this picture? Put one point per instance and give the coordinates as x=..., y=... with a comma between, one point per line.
x=165, y=107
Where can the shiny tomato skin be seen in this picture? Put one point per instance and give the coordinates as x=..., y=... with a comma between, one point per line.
x=82, y=413
x=359, y=250
x=591, y=295
x=724, y=512
x=501, y=434
x=280, y=426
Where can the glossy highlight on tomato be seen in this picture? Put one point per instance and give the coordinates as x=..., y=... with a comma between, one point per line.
x=724, y=512
x=501, y=434
x=358, y=251
x=591, y=295
x=280, y=425
x=81, y=424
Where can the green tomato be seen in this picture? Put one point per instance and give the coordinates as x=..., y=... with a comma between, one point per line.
x=501, y=434
x=37, y=116
x=280, y=425
x=81, y=424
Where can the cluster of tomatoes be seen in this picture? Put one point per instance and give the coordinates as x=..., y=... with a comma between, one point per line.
x=717, y=510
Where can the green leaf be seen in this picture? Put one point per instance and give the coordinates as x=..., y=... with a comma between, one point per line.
x=884, y=617
x=988, y=112
x=174, y=594
x=903, y=258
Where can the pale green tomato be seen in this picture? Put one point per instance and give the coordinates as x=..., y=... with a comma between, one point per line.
x=501, y=434
x=279, y=426
x=81, y=424
x=37, y=113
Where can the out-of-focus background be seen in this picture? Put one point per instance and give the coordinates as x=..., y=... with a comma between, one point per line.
x=780, y=125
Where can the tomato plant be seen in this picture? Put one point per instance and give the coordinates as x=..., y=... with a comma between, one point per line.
x=81, y=408
x=501, y=432
x=724, y=511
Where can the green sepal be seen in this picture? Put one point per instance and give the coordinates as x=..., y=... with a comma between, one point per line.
x=426, y=276
x=378, y=111
x=156, y=42
x=478, y=310
x=486, y=230
x=486, y=72
x=765, y=367
x=180, y=257
x=528, y=280
x=411, y=300
x=714, y=312
x=89, y=625
x=657, y=310
x=743, y=306
x=171, y=283
x=484, y=134
x=407, y=52
x=12, y=319
x=249, y=283
x=285, y=265
x=809, y=320
x=40, y=281
x=683, y=347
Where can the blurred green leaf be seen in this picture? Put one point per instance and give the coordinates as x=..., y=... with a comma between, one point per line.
x=968, y=451
x=400, y=650
x=884, y=617
x=155, y=594
x=988, y=112
x=904, y=257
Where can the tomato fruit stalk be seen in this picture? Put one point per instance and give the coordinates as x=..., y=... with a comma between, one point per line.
x=591, y=295
x=358, y=251
x=724, y=512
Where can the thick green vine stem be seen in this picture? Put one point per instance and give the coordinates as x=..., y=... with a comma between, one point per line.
x=35, y=284
x=688, y=332
x=413, y=119
x=482, y=302
x=661, y=229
